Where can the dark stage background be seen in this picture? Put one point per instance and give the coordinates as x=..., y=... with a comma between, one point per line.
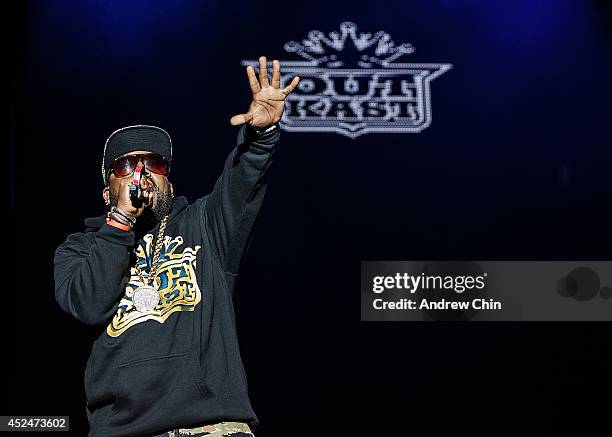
x=515, y=166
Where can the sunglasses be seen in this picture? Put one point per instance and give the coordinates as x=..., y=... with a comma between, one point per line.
x=125, y=165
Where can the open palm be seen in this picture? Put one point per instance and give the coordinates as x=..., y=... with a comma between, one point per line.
x=268, y=100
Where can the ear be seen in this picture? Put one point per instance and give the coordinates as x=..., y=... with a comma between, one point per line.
x=106, y=195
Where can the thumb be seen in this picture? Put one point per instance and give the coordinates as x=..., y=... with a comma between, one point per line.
x=237, y=120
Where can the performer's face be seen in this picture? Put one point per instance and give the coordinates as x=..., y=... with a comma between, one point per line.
x=157, y=189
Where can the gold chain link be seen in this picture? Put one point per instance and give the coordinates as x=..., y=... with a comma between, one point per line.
x=159, y=242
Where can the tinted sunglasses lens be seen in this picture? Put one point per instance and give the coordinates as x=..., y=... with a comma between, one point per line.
x=124, y=165
x=155, y=163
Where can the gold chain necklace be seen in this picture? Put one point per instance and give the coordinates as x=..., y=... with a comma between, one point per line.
x=146, y=297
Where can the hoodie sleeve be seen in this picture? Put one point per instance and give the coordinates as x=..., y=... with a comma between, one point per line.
x=230, y=210
x=89, y=271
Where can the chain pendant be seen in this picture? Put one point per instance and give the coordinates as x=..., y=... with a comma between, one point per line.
x=145, y=298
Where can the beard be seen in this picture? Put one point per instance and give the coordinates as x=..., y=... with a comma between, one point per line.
x=150, y=216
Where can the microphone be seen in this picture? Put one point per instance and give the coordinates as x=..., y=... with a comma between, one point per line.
x=136, y=191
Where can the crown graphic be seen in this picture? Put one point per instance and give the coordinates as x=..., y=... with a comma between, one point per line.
x=326, y=50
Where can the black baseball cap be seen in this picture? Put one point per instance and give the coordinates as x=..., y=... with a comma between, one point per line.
x=138, y=137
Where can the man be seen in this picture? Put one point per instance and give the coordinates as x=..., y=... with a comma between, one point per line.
x=160, y=273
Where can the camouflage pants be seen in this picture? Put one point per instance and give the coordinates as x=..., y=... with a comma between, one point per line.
x=221, y=429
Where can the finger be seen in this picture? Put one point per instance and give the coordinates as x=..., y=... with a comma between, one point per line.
x=287, y=90
x=276, y=73
x=278, y=96
x=253, y=83
x=263, y=72
x=237, y=120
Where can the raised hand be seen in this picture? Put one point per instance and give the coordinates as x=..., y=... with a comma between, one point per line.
x=268, y=101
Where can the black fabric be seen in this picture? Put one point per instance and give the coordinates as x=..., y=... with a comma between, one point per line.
x=141, y=137
x=146, y=375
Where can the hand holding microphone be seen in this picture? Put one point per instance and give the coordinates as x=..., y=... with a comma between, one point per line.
x=134, y=196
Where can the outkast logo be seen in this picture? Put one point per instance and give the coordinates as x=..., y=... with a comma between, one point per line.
x=351, y=85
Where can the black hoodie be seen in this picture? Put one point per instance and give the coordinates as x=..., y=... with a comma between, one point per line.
x=179, y=365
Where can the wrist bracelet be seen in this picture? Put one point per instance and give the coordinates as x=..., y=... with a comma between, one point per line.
x=129, y=217
x=116, y=224
x=265, y=130
x=118, y=218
